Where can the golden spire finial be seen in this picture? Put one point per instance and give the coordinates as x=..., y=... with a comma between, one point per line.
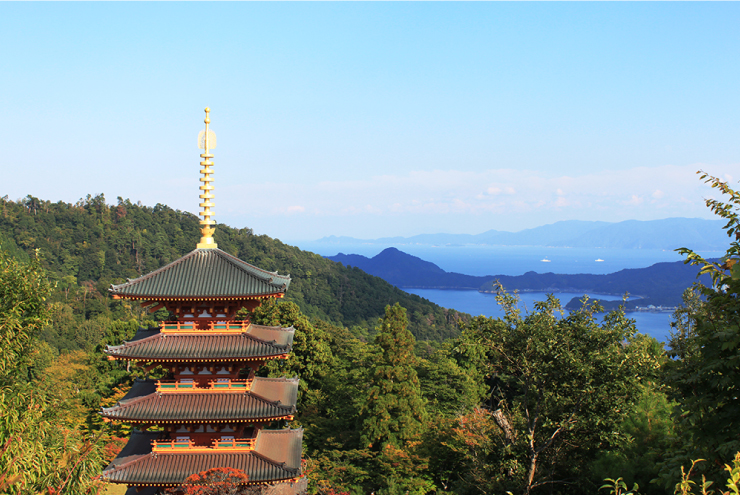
x=206, y=141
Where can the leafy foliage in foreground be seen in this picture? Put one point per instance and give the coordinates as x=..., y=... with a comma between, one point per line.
x=559, y=387
x=704, y=373
x=42, y=447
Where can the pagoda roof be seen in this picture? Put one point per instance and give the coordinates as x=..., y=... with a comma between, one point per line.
x=258, y=341
x=268, y=398
x=276, y=456
x=204, y=274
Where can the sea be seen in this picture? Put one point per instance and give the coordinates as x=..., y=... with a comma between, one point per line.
x=516, y=260
x=655, y=324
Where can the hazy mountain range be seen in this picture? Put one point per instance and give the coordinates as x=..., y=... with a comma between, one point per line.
x=669, y=233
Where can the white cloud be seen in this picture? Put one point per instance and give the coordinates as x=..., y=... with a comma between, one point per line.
x=634, y=200
x=452, y=200
x=496, y=190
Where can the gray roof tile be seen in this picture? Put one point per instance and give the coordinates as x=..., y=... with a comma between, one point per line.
x=204, y=273
x=269, y=398
x=248, y=345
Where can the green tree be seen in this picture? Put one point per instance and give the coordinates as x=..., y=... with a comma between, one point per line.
x=311, y=356
x=559, y=389
x=651, y=436
x=463, y=451
x=704, y=374
x=448, y=389
x=394, y=410
x=41, y=449
x=330, y=414
x=24, y=289
x=393, y=414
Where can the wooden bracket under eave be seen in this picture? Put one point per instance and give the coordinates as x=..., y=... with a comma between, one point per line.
x=149, y=368
x=155, y=308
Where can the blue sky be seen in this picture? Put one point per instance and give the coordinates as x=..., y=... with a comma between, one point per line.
x=375, y=119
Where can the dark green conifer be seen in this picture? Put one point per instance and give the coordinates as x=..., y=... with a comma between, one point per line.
x=394, y=409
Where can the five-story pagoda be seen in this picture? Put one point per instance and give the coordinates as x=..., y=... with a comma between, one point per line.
x=211, y=410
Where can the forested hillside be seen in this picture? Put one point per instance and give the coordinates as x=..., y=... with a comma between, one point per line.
x=88, y=245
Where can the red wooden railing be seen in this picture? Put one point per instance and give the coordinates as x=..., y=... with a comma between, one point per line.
x=234, y=443
x=166, y=386
x=165, y=446
x=231, y=326
x=171, y=445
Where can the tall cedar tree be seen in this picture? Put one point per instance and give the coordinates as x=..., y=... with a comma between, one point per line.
x=394, y=410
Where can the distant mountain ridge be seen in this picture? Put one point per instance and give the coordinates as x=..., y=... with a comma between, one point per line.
x=661, y=284
x=669, y=233
x=404, y=270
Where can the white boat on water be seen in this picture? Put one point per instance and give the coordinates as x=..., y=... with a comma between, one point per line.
x=545, y=260
x=599, y=260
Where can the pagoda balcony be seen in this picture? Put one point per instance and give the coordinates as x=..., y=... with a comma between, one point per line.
x=230, y=326
x=217, y=445
x=223, y=385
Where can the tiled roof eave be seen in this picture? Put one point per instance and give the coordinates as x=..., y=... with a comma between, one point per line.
x=280, y=465
x=109, y=474
x=119, y=411
x=220, y=297
x=115, y=349
x=250, y=268
x=145, y=349
x=200, y=359
x=133, y=459
x=289, y=415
